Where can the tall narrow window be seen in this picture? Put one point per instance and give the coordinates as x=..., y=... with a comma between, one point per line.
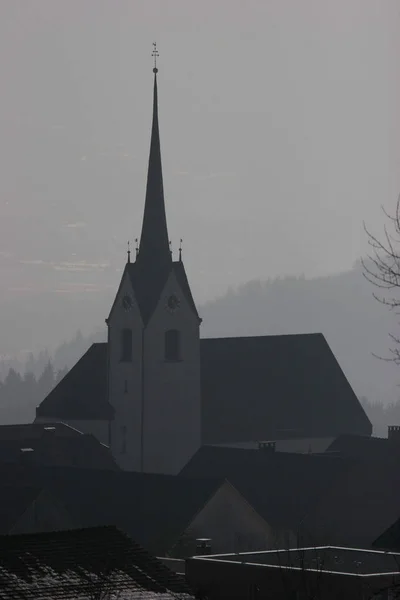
x=172, y=345
x=126, y=345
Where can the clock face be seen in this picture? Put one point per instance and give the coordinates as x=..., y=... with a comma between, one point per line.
x=173, y=303
x=127, y=302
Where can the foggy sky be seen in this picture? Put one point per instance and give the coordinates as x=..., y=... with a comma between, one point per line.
x=279, y=130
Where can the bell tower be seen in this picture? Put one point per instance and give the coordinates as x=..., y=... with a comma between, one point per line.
x=154, y=343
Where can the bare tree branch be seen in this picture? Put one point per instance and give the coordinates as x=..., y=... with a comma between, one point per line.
x=382, y=269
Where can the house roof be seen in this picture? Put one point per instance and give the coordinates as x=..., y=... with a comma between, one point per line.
x=84, y=451
x=82, y=393
x=272, y=387
x=53, y=444
x=257, y=388
x=282, y=487
x=23, y=431
x=355, y=509
x=364, y=447
x=390, y=538
x=15, y=500
x=153, y=509
x=68, y=564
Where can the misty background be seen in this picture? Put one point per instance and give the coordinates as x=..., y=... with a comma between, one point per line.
x=280, y=135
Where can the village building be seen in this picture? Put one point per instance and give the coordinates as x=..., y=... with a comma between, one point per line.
x=98, y=562
x=166, y=514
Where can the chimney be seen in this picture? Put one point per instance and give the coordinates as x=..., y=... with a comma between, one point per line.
x=203, y=546
x=267, y=446
x=394, y=434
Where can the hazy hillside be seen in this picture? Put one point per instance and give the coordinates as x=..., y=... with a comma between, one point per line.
x=341, y=307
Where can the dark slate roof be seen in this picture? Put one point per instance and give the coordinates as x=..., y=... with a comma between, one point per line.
x=364, y=447
x=82, y=393
x=389, y=539
x=271, y=387
x=82, y=450
x=154, y=241
x=255, y=388
x=359, y=506
x=148, y=285
x=152, y=509
x=182, y=279
x=82, y=563
x=23, y=431
x=282, y=487
x=15, y=500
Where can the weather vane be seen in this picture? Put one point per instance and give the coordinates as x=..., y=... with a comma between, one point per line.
x=155, y=55
x=129, y=252
x=137, y=246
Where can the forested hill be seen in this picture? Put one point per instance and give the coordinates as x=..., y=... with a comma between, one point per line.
x=341, y=306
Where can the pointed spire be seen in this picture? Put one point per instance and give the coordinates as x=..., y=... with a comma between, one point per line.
x=154, y=250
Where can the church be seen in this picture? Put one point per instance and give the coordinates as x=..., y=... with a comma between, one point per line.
x=156, y=391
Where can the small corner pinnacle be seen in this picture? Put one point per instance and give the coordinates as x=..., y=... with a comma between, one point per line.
x=180, y=250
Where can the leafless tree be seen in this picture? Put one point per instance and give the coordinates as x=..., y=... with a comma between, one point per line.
x=382, y=269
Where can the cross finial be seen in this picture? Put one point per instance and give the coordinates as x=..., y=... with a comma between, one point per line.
x=155, y=55
x=129, y=252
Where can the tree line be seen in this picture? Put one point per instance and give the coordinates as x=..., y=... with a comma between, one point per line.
x=20, y=394
x=381, y=415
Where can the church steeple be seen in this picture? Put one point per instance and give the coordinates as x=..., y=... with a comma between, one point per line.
x=154, y=249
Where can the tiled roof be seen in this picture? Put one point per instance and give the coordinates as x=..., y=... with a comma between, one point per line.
x=153, y=509
x=282, y=487
x=83, y=563
x=271, y=387
x=82, y=393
